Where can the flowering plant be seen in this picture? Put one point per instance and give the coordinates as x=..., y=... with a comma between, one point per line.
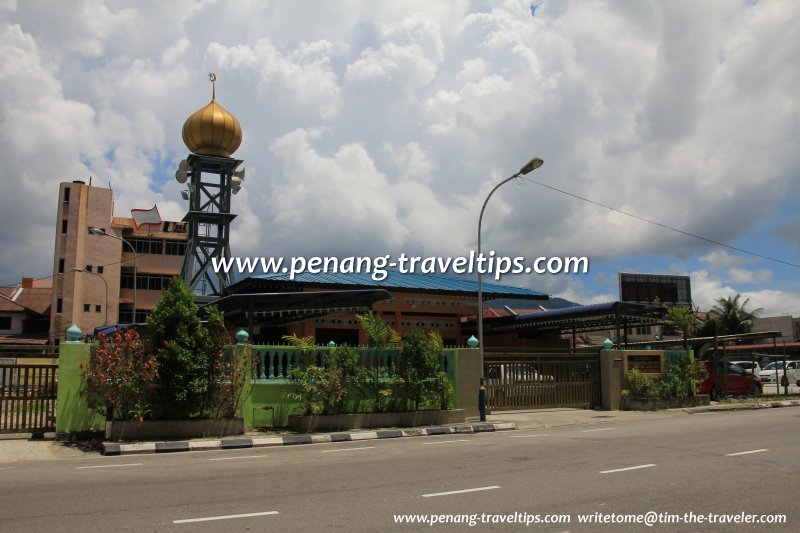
x=119, y=375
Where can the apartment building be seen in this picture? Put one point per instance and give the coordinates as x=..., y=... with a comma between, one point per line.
x=103, y=265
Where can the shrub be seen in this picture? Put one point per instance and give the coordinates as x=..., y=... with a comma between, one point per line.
x=420, y=360
x=119, y=377
x=679, y=381
x=639, y=385
x=182, y=346
x=324, y=389
x=229, y=368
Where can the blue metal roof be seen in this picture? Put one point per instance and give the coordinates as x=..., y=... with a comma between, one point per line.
x=397, y=280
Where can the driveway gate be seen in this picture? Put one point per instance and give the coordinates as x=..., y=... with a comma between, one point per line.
x=27, y=398
x=526, y=379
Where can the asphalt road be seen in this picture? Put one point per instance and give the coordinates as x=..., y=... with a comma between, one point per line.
x=719, y=463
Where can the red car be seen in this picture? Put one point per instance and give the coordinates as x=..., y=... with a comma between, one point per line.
x=733, y=380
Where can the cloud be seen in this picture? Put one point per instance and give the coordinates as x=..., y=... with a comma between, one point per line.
x=707, y=289
x=741, y=275
x=373, y=127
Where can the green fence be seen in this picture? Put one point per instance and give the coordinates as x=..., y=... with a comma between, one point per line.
x=265, y=396
x=268, y=405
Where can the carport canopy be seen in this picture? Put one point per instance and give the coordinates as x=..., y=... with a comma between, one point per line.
x=582, y=319
x=281, y=308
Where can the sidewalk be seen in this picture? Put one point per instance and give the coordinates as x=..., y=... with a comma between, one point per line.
x=564, y=416
x=19, y=447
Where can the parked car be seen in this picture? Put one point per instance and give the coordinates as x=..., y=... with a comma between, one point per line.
x=731, y=380
x=751, y=367
x=768, y=374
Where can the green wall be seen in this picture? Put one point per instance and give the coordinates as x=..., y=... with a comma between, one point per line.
x=72, y=412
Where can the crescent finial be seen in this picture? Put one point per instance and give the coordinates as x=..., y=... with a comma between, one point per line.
x=213, y=78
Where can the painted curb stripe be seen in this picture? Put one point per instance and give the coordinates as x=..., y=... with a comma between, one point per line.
x=228, y=444
x=113, y=448
x=170, y=447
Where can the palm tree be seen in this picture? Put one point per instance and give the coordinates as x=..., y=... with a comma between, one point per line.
x=732, y=316
x=685, y=319
x=377, y=331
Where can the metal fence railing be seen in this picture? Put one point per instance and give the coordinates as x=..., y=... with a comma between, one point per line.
x=28, y=398
x=530, y=380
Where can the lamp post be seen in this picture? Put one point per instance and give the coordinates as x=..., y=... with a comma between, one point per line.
x=530, y=166
x=104, y=283
x=101, y=231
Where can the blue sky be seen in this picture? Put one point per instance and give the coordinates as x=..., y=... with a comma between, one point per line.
x=376, y=128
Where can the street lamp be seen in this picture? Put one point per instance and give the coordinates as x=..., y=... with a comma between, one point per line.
x=528, y=167
x=104, y=283
x=101, y=231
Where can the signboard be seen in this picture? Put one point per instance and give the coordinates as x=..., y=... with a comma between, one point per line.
x=655, y=289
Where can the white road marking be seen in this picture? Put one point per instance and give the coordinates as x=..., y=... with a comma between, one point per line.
x=107, y=466
x=238, y=457
x=223, y=517
x=747, y=452
x=349, y=449
x=448, y=493
x=444, y=442
x=526, y=436
x=601, y=429
x=626, y=469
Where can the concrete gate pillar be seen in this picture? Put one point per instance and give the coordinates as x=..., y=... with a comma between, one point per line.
x=611, y=378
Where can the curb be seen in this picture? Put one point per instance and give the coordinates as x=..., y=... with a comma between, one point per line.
x=742, y=406
x=115, y=448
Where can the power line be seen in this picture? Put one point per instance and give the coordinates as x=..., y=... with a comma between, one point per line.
x=659, y=224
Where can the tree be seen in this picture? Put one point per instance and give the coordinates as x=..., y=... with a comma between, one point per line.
x=378, y=381
x=732, y=316
x=420, y=360
x=182, y=346
x=685, y=319
x=377, y=331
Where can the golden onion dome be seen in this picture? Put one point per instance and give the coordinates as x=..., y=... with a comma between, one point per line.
x=212, y=130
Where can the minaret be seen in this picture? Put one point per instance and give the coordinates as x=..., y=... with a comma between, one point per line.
x=212, y=135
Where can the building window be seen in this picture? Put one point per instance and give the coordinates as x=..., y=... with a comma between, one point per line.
x=86, y=308
x=88, y=268
x=175, y=248
x=100, y=269
x=97, y=308
x=63, y=227
x=126, y=316
x=59, y=305
x=60, y=266
x=144, y=282
x=5, y=322
x=147, y=246
x=66, y=195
